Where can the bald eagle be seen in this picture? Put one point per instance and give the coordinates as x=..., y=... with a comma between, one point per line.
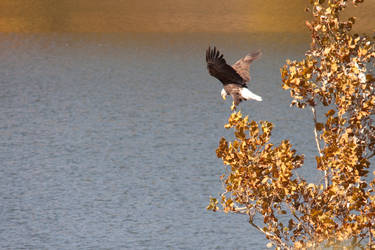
x=233, y=78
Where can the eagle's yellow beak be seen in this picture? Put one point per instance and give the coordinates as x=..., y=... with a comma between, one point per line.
x=224, y=97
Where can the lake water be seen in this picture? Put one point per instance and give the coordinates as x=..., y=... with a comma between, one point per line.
x=108, y=141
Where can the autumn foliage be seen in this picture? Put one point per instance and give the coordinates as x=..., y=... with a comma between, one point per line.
x=336, y=75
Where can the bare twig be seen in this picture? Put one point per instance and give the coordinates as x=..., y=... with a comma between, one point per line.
x=318, y=145
x=370, y=156
x=271, y=236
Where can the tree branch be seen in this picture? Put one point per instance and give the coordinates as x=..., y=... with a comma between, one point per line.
x=318, y=144
x=273, y=237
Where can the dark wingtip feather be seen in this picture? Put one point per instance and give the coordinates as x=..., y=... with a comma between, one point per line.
x=208, y=54
x=213, y=55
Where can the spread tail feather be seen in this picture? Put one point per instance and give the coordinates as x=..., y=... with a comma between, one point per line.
x=247, y=94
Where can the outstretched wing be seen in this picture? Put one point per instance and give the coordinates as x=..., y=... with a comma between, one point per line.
x=217, y=67
x=242, y=66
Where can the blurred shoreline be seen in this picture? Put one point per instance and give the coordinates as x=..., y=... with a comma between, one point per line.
x=169, y=16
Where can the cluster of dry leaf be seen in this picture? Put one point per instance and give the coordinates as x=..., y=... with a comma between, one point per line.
x=260, y=181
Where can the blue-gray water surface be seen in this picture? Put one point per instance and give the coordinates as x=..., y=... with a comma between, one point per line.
x=108, y=142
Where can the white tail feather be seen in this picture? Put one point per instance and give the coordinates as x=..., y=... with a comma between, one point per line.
x=247, y=94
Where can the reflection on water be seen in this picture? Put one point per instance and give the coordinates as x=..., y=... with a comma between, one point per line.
x=109, y=142
x=163, y=16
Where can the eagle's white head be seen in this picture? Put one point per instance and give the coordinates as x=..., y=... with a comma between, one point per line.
x=224, y=94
